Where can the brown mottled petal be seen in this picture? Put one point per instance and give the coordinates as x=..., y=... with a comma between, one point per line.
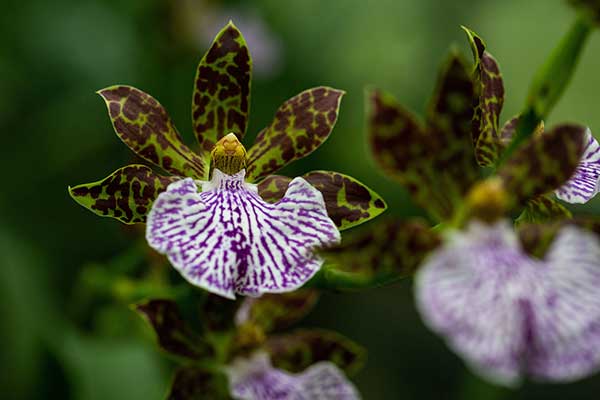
x=299, y=127
x=542, y=209
x=273, y=187
x=435, y=163
x=544, y=163
x=127, y=194
x=192, y=383
x=449, y=123
x=388, y=249
x=274, y=312
x=173, y=334
x=145, y=127
x=349, y=202
x=489, y=99
x=221, y=98
x=300, y=349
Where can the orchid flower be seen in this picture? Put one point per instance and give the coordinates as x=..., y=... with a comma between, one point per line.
x=222, y=218
x=254, y=378
x=585, y=182
x=510, y=315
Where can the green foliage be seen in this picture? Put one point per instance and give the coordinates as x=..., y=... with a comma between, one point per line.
x=552, y=79
x=349, y=202
x=435, y=162
x=299, y=127
x=146, y=128
x=489, y=99
x=300, y=349
x=126, y=194
x=543, y=164
x=221, y=98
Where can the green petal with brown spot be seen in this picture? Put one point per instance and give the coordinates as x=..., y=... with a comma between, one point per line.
x=349, y=202
x=543, y=164
x=489, y=99
x=299, y=127
x=221, y=97
x=273, y=187
x=542, y=209
x=274, y=312
x=127, y=194
x=436, y=162
x=300, y=349
x=174, y=336
x=387, y=251
x=145, y=127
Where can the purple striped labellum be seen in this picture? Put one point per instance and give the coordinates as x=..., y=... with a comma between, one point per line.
x=585, y=182
x=256, y=379
x=226, y=239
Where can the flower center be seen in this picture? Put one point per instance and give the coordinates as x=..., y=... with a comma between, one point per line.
x=228, y=155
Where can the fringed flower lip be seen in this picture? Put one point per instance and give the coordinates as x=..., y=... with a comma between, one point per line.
x=509, y=315
x=227, y=239
x=256, y=379
x=585, y=182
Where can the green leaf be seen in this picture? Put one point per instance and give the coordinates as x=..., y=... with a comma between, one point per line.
x=173, y=334
x=554, y=76
x=299, y=127
x=274, y=312
x=194, y=383
x=489, y=90
x=144, y=125
x=543, y=164
x=384, y=252
x=349, y=202
x=541, y=209
x=300, y=349
x=127, y=194
x=221, y=98
x=436, y=163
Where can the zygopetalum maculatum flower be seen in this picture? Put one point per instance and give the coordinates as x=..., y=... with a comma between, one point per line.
x=514, y=300
x=243, y=350
x=225, y=222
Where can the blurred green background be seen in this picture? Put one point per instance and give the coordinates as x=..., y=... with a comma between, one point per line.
x=66, y=329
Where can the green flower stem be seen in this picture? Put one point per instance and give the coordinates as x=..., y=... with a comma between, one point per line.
x=550, y=82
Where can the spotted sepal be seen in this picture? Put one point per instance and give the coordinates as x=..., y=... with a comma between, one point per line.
x=541, y=209
x=145, y=127
x=299, y=127
x=349, y=202
x=221, y=97
x=388, y=250
x=489, y=99
x=296, y=351
x=436, y=162
x=174, y=336
x=273, y=312
x=126, y=194
x=544, y=163
x=192, y=383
